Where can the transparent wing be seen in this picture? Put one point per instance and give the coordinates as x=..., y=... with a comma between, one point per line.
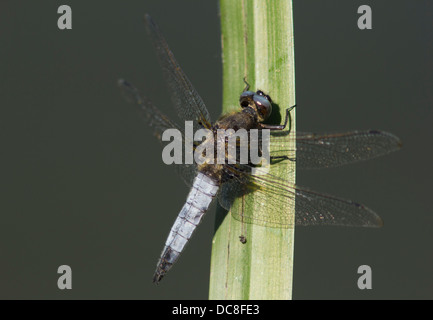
x=271, y=199
x=159, y=123
x=150, y=114
x=315, y=151
x=188, y=103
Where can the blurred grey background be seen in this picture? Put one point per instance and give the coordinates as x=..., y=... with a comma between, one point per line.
x=83, y=184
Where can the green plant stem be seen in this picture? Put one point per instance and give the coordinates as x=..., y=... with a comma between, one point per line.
x=257, y=42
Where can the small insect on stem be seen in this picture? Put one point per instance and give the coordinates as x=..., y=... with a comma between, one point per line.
x=242, y=237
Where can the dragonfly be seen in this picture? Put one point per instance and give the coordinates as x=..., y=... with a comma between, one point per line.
x=228, y=181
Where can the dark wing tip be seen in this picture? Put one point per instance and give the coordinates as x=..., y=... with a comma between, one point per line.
x=129, y=92
x=149, y=21
x=395, y=140
x=374, y=220
x=123, y=83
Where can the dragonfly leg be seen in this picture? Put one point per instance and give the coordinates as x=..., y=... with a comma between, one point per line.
x=277, y=159
x=247, y=87
x=279, y=126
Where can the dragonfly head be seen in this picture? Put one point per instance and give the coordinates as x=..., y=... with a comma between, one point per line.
x=260, y=102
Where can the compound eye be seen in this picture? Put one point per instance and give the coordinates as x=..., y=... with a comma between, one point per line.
x=261, y=93
x=264, y=106
x=246, y=98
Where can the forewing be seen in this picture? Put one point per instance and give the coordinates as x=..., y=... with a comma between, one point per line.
x=188, y=103
x=315, y=151
x=158, y=123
